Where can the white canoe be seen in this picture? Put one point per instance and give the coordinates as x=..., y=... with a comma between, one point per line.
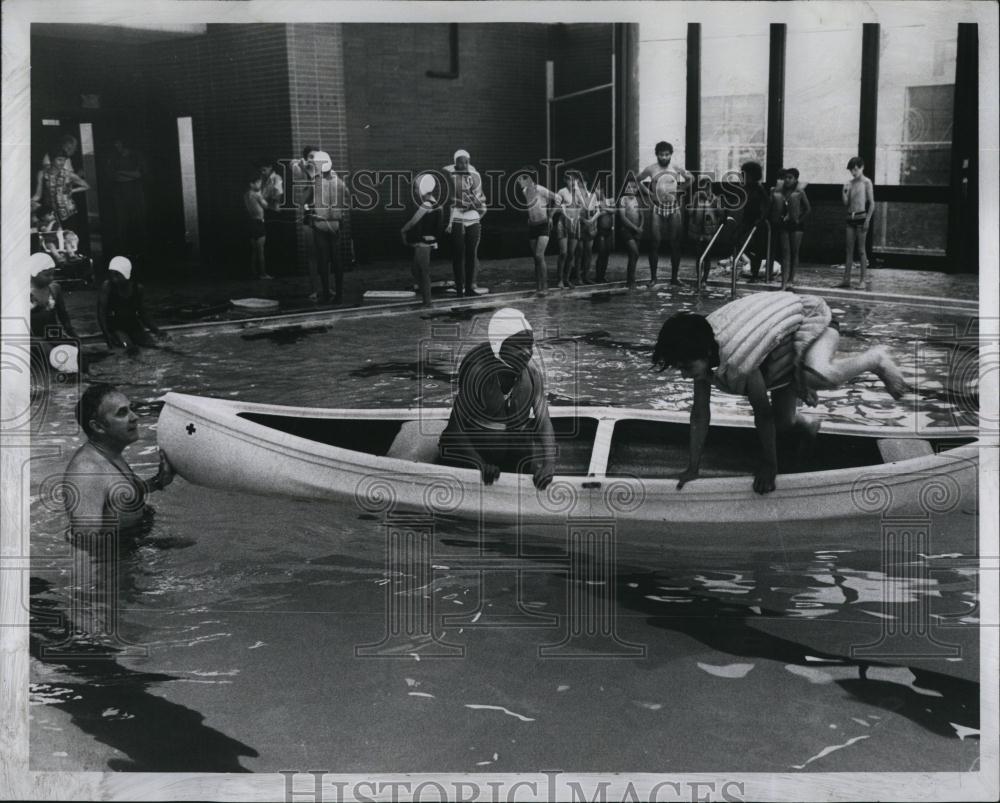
x=614, y=466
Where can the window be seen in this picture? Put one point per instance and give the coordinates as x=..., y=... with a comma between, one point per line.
x=734, y=75
x=662, y=89
x=915, y=105
x=910, y=228
x=822, y=99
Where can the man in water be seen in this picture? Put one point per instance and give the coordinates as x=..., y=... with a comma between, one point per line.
x=103, y=493
x=500, y=386
x=663, y=184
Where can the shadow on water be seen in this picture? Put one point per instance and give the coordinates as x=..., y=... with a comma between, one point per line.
x=116, y=706
x=726, y=626
x=286, y=335
x=601, y=339
x=409, y=370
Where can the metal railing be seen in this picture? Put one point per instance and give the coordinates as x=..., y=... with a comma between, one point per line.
x=738, y=256
x=701, y=260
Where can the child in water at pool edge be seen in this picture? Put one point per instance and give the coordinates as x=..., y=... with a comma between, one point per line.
x=790, y=356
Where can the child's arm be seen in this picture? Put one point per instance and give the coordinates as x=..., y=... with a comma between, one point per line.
x=845, y=192
x=701, y=417
x=413, y=221
x=869, y=202
x=36, y=199
x=79, y=185
x=140, y=306
x=62, y=315
x=806, y=207
x=103, y=302
x=763, y=419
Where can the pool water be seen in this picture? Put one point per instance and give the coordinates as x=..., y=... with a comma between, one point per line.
x=244, y=620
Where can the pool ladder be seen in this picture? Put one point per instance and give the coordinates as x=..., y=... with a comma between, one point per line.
x=736, y=257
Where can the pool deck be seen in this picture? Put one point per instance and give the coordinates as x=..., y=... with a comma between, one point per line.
x=191, y=305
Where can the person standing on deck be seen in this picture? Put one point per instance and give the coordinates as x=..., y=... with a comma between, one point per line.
x=662, y=185
x=325, y=212
x=777, y=343
x=537, y=200
x=859, y=197
x=468, y=207
x=103, y=492
x=500, y=419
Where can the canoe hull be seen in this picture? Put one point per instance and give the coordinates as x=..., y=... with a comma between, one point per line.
x=210, y=444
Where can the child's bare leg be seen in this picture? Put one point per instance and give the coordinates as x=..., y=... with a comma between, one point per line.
x=862, y=237
x=541, y=269
x=571, y=257
x=561, y=262
x=786, y=259
x=633, y=260
x=422, y=272
x=849, y=233
x=258, y=245
x=796, y=244
x=825, y=373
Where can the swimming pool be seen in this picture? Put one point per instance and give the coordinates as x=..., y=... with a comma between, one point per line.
x=250, y=609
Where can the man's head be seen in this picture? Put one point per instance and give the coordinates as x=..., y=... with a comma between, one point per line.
x=856, y=165
x=461, y=159
x=573, y=178
x=752, y=172
x=527, y=176
x=511, y=338
x=790, y=177
x=687, y=343
x=664, y=152
x=105, y=415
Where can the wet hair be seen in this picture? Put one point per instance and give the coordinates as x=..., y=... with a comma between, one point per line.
x=309, y=149
x=66, y=143
x=57, y=152
x=90, y=403
x=254, y=177
x=530, y=171
x=41, y=280
x=663, y=145
x=790, y=171
x=685, y=337
x=752, y=171
x=855, y=161
x=573, y=173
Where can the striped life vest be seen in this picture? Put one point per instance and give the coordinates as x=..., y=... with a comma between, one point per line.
x=749, y=329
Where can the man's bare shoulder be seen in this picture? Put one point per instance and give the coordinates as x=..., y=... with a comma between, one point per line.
x=86, y=463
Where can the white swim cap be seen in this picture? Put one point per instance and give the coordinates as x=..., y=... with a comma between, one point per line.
x=427, y=184
x=505, y=323
x=460, y=152
x=65, y=359
x=39, y=262
x=323, y=160
x=122, y=265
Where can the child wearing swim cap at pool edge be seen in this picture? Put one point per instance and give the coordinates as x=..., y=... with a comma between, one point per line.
x=421, y=233
x=778, y=343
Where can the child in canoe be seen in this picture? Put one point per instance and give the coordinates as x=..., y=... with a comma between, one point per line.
x=780, y=344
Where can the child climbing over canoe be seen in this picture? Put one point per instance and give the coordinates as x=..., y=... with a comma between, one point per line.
x=778, y=343
x=500, y=419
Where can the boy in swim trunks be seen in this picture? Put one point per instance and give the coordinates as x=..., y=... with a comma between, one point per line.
x=778, y=343
x=537, y=199
x=859, y=198
x=253, y=200
x=604, y=228
x=630, y=220
x=795, y=208
x=662, y=185
x=568, y=226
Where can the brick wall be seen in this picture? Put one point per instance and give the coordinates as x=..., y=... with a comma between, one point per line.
x=399, y=118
